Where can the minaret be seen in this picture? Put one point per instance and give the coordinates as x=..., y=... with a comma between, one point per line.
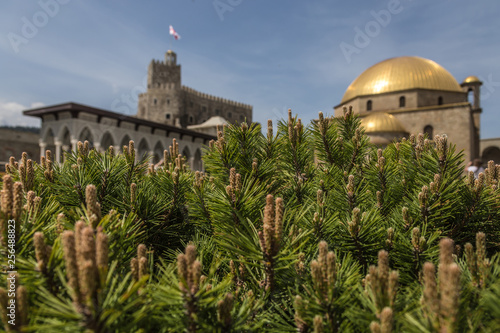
x=473, y=84
x=162, y=100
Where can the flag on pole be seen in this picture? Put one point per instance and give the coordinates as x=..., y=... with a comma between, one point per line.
x=174, y=33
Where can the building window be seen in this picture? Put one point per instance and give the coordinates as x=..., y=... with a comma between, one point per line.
x=168, y=101
x=229, y=115
x=191, y=104
x=190, y=119
x=154, y=101
x=440, y=100
x=167, y=116
x=369, y=105
x=470, y=96
x=204, y=109
x=217, y=112
x=242, y=118
x=402, y=102
x=429, y=131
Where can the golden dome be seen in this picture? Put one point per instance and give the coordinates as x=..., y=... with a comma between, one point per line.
x=401, y=73
x=382, y=122
x=471, y=79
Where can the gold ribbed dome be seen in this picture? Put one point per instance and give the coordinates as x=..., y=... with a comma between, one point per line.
x=472, y=78
x=382, y=122
x=401, y=73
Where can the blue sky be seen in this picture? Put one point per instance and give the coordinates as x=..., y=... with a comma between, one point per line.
x=273, y=55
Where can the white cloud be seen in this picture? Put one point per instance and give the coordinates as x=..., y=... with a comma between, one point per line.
x=11, y=114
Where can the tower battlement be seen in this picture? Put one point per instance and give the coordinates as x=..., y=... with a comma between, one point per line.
x=168, y=101
x=217, y=99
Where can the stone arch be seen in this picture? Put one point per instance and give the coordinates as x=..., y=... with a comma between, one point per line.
x=158, y=152
x=86, y=135
x=186, y=153
x=470, y=96
x=402, y=102
x=491, y=153
x=197, y=162
x=143, y=148
x=49, y=139
x=107, y=140
x=65, y=138
x=125, y=141
x=429, y=130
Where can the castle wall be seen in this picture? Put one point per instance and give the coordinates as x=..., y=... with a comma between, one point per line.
x=199, y=107
x=168, y=102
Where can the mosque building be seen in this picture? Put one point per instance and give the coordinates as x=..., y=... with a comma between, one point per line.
x=410, y=95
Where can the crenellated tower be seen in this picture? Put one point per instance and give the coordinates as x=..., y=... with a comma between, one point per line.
x=167, y=101
x=162, y=101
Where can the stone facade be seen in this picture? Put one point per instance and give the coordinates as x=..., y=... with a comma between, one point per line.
x=167, y=101
x=65, y=124
x=15, y=141
x=433, y=111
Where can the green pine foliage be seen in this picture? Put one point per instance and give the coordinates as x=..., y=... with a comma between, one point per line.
x=306, y=229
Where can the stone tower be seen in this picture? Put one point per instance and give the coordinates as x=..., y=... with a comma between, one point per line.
x=162, y=101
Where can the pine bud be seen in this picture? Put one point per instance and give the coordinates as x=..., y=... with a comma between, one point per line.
x=430, y=294
x=375, y=327
x=41, y=253
x=224, y=308
x=60, y=223
x=269, y=129
x=331, y=270
x=238, y=183
x=319, y=197
x=350, y=184
x=131, y=150
x=86, y=147
x=415, y=239
x=22, y=305
x=70, y=259
x=386, y=319
x=279, y=221
x=450, y=292
x=318, y=324
x=299, y=314
x=133, y=193
x=87, y=279
x=17, y=204
x=141, y=251
x=30, y=176
x=406, y=216
x=102, y=249
x=93, y=207
x=393, y=286
x=143, y=267
x=7, y=195
x=134, y=268
x=354, y=225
